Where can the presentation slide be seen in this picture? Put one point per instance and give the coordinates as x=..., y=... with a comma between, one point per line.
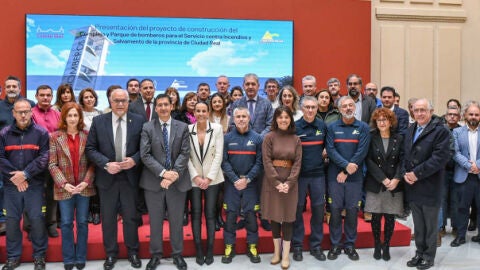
x=99, y=51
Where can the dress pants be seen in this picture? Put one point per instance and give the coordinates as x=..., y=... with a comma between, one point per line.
x=174, y=201
x=120, y=196
x=425, y=221
x=466, y=192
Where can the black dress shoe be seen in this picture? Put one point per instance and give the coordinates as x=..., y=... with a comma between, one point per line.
x=39, y=263
x=318, y=254
x=96, y=219
x=153, y=263
x=69, y=266
x=135, y=262
x=476, y=238
x=414, y=261
x=80, y=266
x=109, y=263
x=334, y=252
x=209, y=259
x=180, y=262
x=11, y=264
x=52, y=231
x=425, y=264
x=352, y=253
x=297, y=254
x=458, y=242
x=265, y=225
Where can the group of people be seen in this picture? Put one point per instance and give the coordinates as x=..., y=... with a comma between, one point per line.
x=254, y=157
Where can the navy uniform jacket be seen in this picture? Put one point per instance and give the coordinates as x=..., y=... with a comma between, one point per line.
x=347, y=144
x=312, y=136
x=242, y=155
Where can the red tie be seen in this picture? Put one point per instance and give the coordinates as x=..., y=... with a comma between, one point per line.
x=148, y=111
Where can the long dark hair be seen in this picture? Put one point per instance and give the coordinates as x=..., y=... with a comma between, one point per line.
x=277, y=113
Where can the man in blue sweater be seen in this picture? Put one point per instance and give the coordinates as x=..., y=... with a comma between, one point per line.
x=347, y=147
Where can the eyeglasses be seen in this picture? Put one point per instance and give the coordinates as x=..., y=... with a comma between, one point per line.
x=383, y=120
x=371, y=89
x=23, y=112
x=118, y=101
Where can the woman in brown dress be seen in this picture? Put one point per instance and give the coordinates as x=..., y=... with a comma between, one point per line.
x=282, y=157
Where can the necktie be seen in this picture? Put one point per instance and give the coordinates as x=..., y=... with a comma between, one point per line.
x=167, y=147
x=118, y=141
x=148, y=110
x=251, y=109
x=417, y=133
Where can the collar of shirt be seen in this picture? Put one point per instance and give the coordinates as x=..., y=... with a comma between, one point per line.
x=115, y=118
x=254, y=98
x=169, y=122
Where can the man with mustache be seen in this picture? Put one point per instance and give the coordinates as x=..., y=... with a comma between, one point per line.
x=347, y=146
x=364, y=105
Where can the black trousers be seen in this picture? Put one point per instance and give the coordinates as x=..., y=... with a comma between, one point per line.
x=425, y=220
x=121, y=197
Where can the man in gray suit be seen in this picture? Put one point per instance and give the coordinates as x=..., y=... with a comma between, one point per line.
x=260, y=109
x=165, y=150
x=467, y=172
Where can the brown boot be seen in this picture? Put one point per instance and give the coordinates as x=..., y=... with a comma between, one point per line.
x=285, y=255
x=276, y=251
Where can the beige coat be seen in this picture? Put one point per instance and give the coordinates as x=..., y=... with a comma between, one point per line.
x=209, y=164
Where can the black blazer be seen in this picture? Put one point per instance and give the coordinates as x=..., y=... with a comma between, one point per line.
x=100, y=148
x=381, y=165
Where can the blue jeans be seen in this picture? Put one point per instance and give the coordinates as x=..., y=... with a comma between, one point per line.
x=77, y=204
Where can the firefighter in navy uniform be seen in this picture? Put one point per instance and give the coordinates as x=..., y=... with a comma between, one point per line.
x=347, y=146
x=242, y=165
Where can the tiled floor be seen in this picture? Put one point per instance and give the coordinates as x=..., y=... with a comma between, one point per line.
x=461, y=258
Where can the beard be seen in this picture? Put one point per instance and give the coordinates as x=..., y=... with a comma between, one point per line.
x=473, y=123
x=348, y=115
x=353, y=92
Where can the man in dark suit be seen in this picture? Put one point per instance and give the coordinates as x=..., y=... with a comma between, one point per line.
x=364, y=105
x=113, y=146
x=165, y=150
x=144, y=105
x=427, y=151
x=387, y=95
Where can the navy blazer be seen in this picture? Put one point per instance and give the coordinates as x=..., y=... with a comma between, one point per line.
x=427, y=157
x=139, y=108
x=462, y=154
x=262, y=120
x=100, y=148
x=402, y=119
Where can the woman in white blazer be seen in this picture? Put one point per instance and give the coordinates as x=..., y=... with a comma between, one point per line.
x=206, y=152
